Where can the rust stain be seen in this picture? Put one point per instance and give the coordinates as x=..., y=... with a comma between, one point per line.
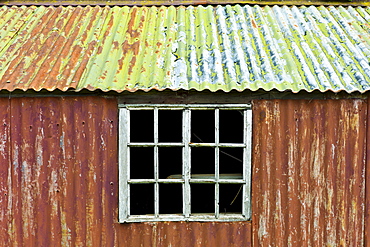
x=308, y=177
x=61, y=48
x=115, y=45
x=132, y=64
x=254, y=24
x=59, y=155
x=133, y=48
x=131, y=23
x=367, y=189
x=100, y=50
x=132, y=30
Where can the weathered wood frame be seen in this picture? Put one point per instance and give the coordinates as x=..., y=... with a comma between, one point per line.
x=124, y=161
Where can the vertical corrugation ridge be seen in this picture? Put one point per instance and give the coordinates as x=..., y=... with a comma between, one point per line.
x=264, y=46
x=12, y=53
x=323, y=52
x=11, y=23
x=289, y=21
x=63, y=51
x=6, y=181
x=59, y=36
x=84, y=52
x=358, y=64
x=192, y=49
x=140, y=40
x=250, y=72
x=30, y=64
x=313, y=67
x=108, y=40
x=226, y=34
x=367, y=182
x=179, y=51
x=309, y=172
x=59, y=181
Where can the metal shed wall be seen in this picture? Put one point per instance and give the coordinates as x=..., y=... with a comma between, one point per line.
x=309, y=172
x=59, y=182
x=58, y=177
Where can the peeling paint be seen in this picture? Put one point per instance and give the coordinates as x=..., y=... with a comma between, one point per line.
x=61, y=182
x=320, y=199
x=195, y=47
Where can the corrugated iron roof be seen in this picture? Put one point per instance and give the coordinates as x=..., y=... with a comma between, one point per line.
x=204, y=47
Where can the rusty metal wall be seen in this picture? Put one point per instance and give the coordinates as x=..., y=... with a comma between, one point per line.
x=309, y=172
x=58, y=181
x=367, y=189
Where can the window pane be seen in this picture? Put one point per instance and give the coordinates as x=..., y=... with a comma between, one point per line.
x=202, y=160
x=170, y=198
x=231, y=198
x=231, y=126
x=170, y=126
x=203, y=126
x=231, y=160
x=142, y=199
x=142, y=163
x=141, y=126
x=170, y=161
x=202, y=198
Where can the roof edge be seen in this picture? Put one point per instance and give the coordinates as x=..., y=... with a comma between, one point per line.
x=186, y=2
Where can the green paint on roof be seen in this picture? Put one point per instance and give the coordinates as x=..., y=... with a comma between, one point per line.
x=226, y=48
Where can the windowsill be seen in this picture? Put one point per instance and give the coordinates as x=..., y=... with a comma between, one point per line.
x=229, y=217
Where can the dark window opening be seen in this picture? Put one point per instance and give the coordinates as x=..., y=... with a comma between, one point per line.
x=231, y=126
x=203, y=126
x=143, y=129
x=231, y=160
x=142, y=199
x=231, y=195
x=202, y=160
x=141, y=163
x=170, y=161
x=170, y=126
x=170, y=199
x=202, y=198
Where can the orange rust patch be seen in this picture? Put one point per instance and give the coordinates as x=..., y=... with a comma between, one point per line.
x=115, y=45
x=131, y=23
x=127, y=47
x=131, y=30
x=132, y=64
x=254, y=24
x=100, y=49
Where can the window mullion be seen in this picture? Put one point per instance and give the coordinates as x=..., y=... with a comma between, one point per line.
x=247, y=163
x=217, y=163
x=124, y=158
x=186, y=162
x=156, y=164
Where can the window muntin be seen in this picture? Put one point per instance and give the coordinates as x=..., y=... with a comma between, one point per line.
x=184, y=162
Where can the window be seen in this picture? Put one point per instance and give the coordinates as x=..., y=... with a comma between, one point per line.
x=184, y=162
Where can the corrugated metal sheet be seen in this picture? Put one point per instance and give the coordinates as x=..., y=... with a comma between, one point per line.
x=367, y=189
x=59, y=181
x=216, y=48
x=309, y=173
x=184, y=2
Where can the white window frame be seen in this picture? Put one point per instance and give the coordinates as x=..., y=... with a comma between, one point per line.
x=124, y=161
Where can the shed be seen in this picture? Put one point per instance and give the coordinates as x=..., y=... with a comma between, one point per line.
x=72, y=79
